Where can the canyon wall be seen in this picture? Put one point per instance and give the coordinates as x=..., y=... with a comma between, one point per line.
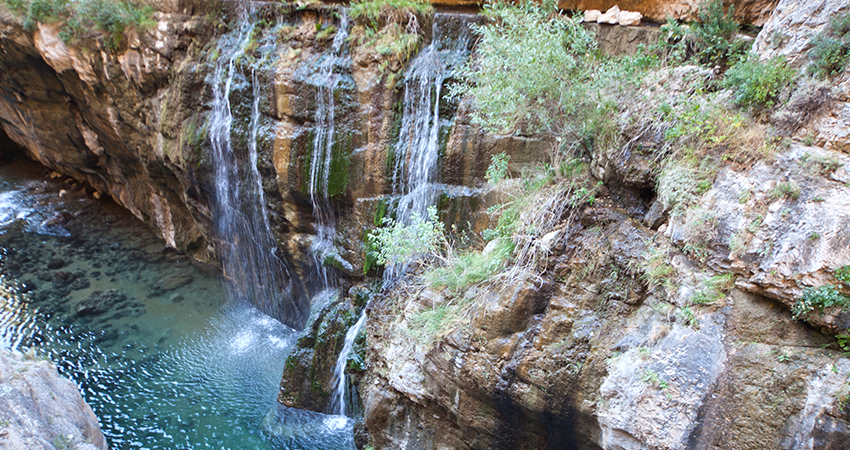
x=589, y=352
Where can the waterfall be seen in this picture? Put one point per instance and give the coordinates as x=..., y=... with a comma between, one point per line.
x=417, y=152
x=338, y=398
x=323, y=142
x=418, y=147
x=245, y=243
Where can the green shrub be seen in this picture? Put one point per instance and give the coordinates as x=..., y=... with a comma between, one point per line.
x=710, y=40
x=818, y=299
x=81, y=17
x=681, y=183
x=112, y=18
x=842, y=274
x=397, y=243
x=830, y=49
x=44, y=11
x=656, y=271
x=714, y=289
x=757, y=84
x=498, y=168
x=715, y=33
x=529, y=62
x=786, y=189
x=391, y=28
x=379, y=13
x=467, y=269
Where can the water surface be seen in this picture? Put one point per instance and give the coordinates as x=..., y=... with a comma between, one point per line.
x=162, y=357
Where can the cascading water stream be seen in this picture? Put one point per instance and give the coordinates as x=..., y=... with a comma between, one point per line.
x=417, y=152
x=339, y=400
x=323, y=142
x=418, y=147
x=245, y=243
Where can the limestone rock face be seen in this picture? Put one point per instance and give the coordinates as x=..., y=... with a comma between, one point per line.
x=792, y=25
x=592, y=15
x=755, y=12
x=107, y=118
x=611, y=16
x=41, y=410
x=629, y=18
x=591, y=355
x=820, y=113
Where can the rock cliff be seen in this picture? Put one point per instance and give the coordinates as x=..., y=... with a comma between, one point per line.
x=640, y=327
x=644, y=327
x=41, y=410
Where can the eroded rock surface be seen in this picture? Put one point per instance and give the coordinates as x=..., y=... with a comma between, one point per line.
x=40, y=410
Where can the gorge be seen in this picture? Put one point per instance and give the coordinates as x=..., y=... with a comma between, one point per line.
x=633, y=251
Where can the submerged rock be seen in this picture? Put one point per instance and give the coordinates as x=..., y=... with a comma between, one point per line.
x=99, y=302
x=41, y=410
x=173, y=281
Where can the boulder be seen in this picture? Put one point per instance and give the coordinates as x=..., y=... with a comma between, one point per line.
x=99, y=302
x=630, y=18
x=174, y=281
x=611, y=17
x=755, y=12
x=592, y=15
x=41, y=410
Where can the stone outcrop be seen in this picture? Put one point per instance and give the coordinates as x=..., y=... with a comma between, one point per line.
x=820, y=113
x=592, y=355
x=755, y=12
x=616, y=41
x=40, y=410
x=133, y=123
x=791, y=27
x=613, y=17
x=594, y=351
x=591, y=352
x=108, y=118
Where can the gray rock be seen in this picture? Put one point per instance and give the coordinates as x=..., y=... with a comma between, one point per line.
x=792, y=25
x=56, y=263
x=42, y=410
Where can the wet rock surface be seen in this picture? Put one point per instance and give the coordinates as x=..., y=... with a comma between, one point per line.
x=41, y=410
x=308, y=379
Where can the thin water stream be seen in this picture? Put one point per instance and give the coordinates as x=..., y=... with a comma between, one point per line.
x=417, y=153
x=325, y=79
x=158, y=350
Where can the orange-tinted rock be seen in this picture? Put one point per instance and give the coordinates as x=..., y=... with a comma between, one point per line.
x=746, y=11
x=457, y=3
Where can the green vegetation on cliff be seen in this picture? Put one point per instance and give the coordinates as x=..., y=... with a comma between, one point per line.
x=681, y=111
x=85, y=19
x=391, y=28
x=830, y=49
